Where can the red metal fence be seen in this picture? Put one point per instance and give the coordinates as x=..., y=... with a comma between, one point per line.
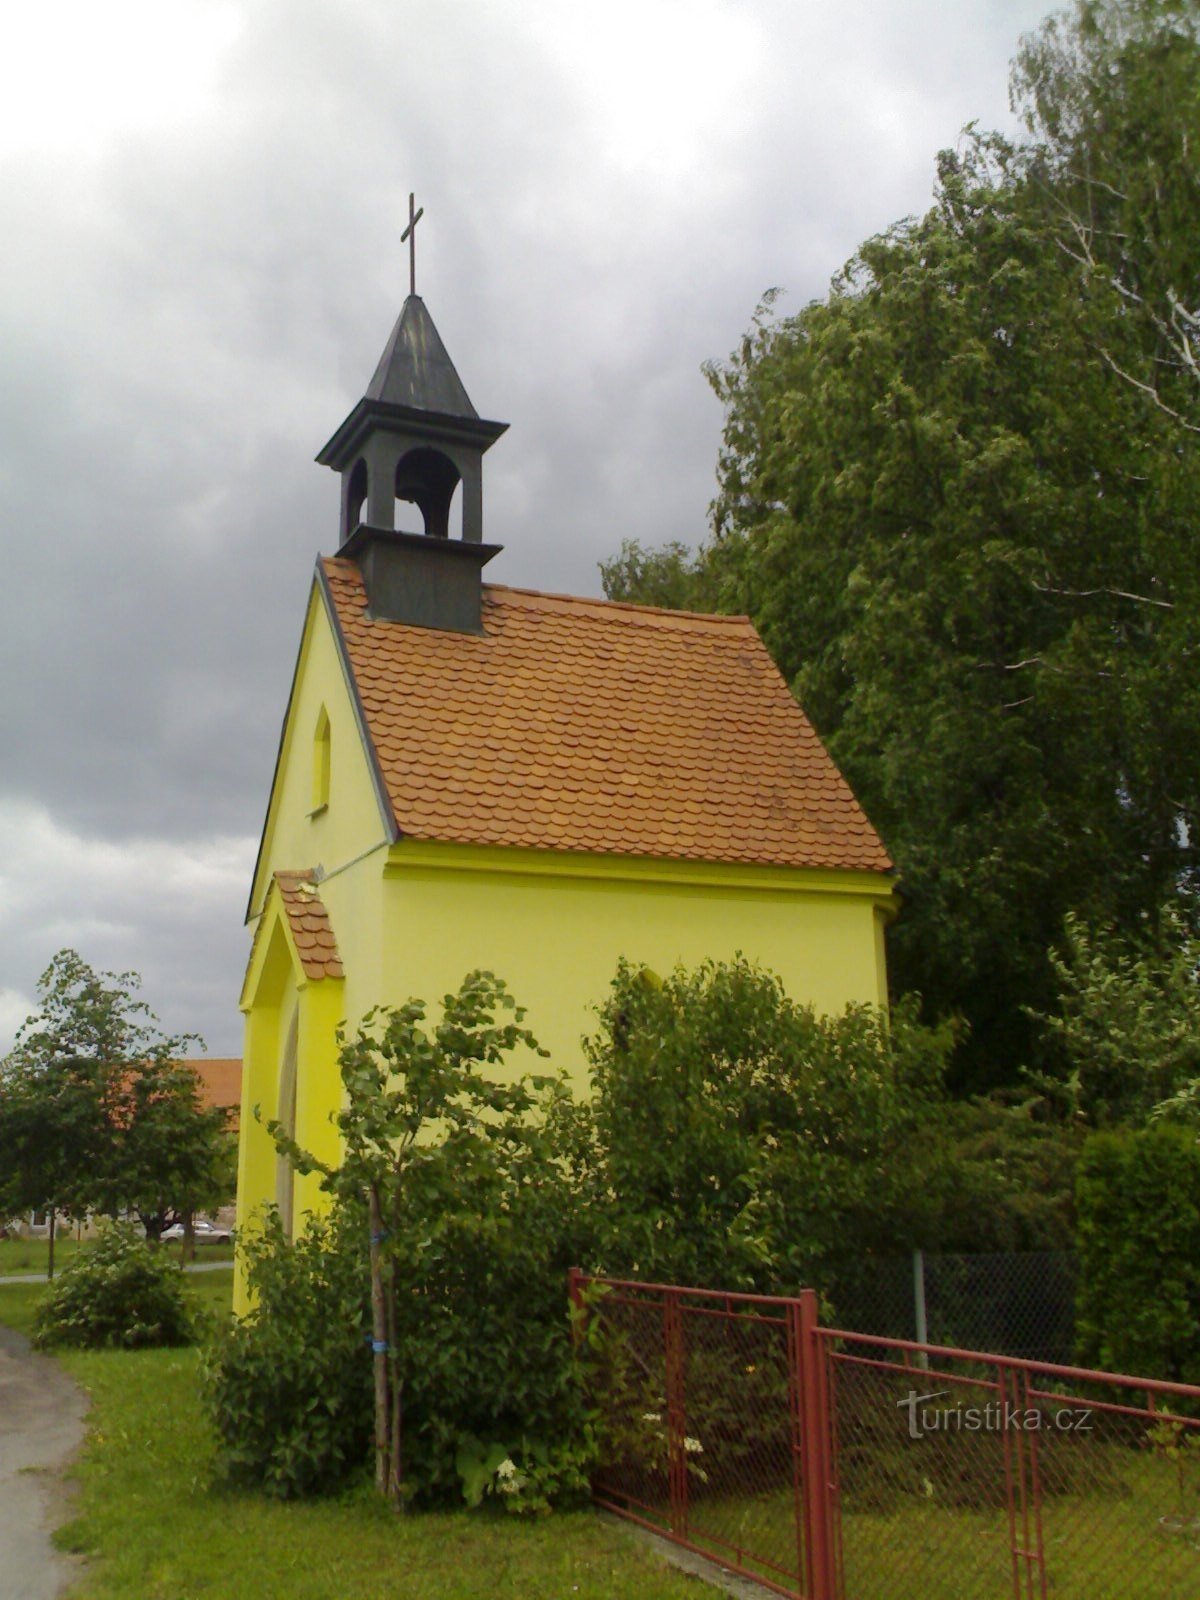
x=832, y=1465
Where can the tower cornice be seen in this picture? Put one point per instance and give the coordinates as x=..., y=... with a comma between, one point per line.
x=368, y=415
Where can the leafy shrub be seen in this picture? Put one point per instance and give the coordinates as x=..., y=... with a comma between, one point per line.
x=483, y=1337
x=481, y=1343
x=745, y=1142
x=289, y=1385
x=117, y=1292
x=1138, y=1304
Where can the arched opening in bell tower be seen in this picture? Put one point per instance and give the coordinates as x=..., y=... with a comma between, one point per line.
x=356, y=497
x=428, y=479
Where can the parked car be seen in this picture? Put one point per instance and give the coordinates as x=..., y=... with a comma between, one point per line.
x=203, y=1232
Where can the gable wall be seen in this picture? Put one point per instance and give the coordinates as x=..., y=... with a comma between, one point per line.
x=349, y=840
x=352, y=822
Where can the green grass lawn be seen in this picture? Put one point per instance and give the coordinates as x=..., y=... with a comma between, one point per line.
x=31, y=1255
x=1102, y=1545
x=158, y=1528
x=1097, y=1547
x=18, y=1302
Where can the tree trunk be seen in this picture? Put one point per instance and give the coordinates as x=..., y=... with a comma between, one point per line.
x=379, y=1346
x=395, y=1493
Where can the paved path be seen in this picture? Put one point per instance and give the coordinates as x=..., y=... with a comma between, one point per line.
x=41, y=1423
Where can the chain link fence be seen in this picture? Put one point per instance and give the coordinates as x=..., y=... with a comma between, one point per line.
x=1017, y=1304
x=960, y=1476
x=833, y=1464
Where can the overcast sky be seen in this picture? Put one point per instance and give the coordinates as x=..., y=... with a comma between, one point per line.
x=201, y=262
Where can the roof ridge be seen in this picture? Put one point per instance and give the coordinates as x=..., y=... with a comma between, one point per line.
x=639, y=611
x=619, y=610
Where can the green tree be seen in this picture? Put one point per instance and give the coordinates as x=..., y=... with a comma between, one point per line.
x=1110, y=95
x=969, y=538
x=672, y=576
x=98, y=1114
x=1128, y=1021
x=915, y=479
x=467, y=1208
x=170, y=1155
x=1012, y=1176
x=48, y=1121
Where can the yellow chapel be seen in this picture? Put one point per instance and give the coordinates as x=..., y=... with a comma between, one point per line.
x=476, y=776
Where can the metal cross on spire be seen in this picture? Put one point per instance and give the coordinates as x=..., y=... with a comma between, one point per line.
x=410, y=233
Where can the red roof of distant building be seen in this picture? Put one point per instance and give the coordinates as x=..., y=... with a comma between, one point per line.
x=220, y=1081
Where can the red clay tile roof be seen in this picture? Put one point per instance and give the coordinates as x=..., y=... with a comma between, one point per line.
x=573, y=724
x=308, y=919
x=219, y=1078
x=220, y=1082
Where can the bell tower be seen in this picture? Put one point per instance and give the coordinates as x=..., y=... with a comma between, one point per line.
x=413, y=440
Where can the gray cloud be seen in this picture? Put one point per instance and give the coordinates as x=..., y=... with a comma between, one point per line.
x=196, y=290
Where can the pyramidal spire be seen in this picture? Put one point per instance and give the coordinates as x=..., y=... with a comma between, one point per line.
x=416, y=370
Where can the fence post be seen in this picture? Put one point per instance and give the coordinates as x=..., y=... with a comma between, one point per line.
x=922, y=1316
x=815, y=1447
x=677, y=1484
x=795, y=1359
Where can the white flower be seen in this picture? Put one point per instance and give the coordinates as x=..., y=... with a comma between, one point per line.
x=693, y=1447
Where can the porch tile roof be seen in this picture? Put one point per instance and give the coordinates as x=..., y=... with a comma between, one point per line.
x=312, y=931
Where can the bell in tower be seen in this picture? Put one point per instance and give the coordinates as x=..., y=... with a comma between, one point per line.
x=412, y=441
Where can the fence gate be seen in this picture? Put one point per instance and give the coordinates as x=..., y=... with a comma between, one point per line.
x=833, y=1465
x=712, y=1426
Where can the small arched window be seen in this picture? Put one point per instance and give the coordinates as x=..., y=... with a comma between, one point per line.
x=321, y=763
